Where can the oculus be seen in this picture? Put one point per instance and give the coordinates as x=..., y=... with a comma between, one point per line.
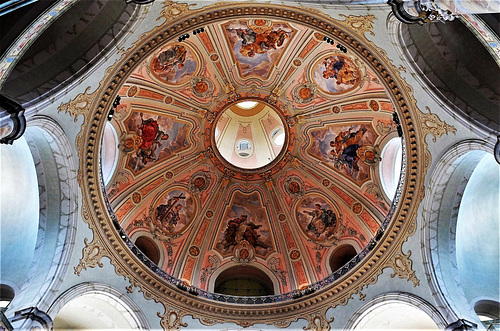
x=249, y=134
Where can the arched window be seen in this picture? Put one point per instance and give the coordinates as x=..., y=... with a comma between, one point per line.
x=149, y=248
x=462, y=238
x=341, y=256
x=390, y=166
x=278, y=136
x=244, y=281
x=244, y=148
x=109, y=152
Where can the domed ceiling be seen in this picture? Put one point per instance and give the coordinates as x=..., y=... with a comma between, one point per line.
x=205, y=176
x=257, y=147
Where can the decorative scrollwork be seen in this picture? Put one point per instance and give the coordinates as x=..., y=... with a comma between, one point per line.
x=171, y=319
x=402, y=266
x=79, y=105
x=360, y=24
x=172, y=10
x=92, y=254
x=431, y=124
x=318, y=322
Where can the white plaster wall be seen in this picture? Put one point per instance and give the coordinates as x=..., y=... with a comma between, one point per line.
x=18, y=212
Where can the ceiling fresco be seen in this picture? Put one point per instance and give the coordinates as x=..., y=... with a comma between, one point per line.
x=323, y=188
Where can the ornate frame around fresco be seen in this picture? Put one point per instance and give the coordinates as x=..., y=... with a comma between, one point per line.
x=387, y=252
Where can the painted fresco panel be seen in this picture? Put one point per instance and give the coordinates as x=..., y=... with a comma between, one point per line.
x=174, y=64
x=245, y=220
x=151, y=139
x=336, y=74
x=317, y=218
x=346, y=148
x=173, y=212
x=257, y=44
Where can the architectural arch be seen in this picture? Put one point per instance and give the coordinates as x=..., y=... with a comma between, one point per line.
x=432, y=60
x=396, y=310
x=148, y=243
x=335, y=250
x=57, y=186
x=441, y=208
x=109, y=153
x=19, y=217
x=100, y=302
x=232, y=265
x=390, y=166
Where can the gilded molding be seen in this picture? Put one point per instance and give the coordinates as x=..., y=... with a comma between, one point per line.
x=79, y=105
x=359, y=24
x=172, y=319
x=318, y=321
x=402, y=266
x=172, y=10
x=431, y=124
x=92, y=254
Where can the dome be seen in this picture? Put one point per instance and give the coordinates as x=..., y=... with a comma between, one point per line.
x=249, y=154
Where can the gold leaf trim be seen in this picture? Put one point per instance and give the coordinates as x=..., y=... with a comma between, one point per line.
x=360, y=24
x=431, y=124
x=318, y=321
x=172, y=10
x=92, y=254
x=171, y=319
x=402, y=266
x=79, y=105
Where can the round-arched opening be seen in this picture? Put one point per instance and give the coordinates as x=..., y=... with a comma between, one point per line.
x=19, y=211
x=278, y=136
x=95, y=311
x=244, y=281
x=475, y=92
x=395, y=315
x=109, y=152
x=149, y=248
x=249, y=134
x=390, y=166
x=488, y=312
x=341, y=256
x=7, y=293
x=478, y=232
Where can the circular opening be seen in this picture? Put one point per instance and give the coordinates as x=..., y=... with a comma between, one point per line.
x=250, y=138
